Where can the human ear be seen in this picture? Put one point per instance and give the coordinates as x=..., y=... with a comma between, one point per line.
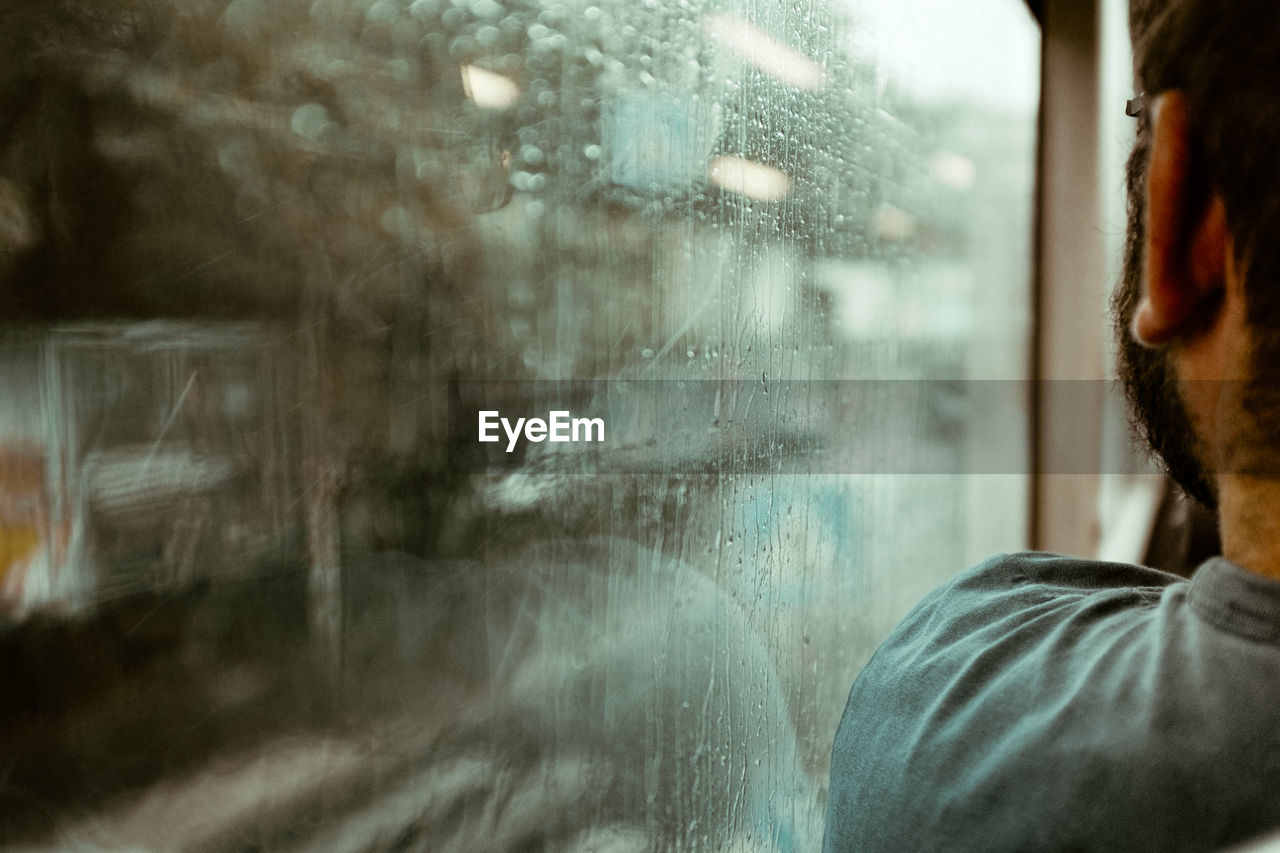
x=1186, y=240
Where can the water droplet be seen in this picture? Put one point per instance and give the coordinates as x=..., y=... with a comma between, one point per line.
x=424, y=8
x=310, y=121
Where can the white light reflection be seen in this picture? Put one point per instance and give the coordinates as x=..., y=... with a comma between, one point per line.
x=766, y=53
x=893, y=223
x=953, y=170
x=754, y=180
x=487, y=89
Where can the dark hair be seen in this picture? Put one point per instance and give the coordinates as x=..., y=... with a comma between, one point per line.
x=1225, y=55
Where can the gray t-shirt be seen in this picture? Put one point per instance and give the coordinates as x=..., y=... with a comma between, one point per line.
x=1039, y=702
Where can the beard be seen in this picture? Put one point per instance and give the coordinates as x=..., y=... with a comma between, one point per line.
x=1158, y=412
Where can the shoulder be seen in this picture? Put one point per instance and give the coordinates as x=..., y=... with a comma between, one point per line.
x=1014, y=613
x=1009, y=589
x=1035, y=568
x=1013, y=682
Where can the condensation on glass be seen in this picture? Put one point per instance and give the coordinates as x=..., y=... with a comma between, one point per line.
x=260, y=585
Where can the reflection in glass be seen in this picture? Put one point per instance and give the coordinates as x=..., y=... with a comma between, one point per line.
x=263, y=263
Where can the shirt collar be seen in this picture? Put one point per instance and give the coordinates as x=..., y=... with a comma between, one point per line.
x=1236, y=599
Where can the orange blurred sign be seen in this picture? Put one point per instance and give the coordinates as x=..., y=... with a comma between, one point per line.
x=22, y=516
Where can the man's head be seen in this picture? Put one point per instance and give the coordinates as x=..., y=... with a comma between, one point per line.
x=1204, y=239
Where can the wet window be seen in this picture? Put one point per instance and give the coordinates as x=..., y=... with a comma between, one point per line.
x=491, y=425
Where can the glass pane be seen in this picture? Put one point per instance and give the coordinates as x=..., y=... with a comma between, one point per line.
x=278, y=567
x=1132, y=486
